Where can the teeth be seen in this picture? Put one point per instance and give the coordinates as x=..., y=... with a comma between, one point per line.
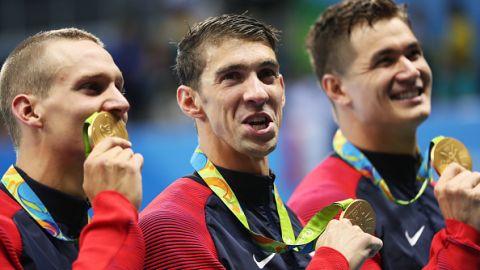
x=258, y=122
x=259, y=126
x=258, y=119
x=407, y=94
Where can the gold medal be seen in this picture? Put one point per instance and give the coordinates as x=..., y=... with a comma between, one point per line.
x=105, y=124
x=100, y=125
x=361, y=213
x=449, y=150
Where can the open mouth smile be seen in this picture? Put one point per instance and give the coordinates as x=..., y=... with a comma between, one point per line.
x=408, y=93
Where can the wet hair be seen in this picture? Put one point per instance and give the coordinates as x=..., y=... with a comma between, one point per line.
x=28, y=70
x=190, y=60
x=328, y=41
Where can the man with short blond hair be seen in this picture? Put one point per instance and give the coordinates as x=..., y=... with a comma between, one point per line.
x=49, y=85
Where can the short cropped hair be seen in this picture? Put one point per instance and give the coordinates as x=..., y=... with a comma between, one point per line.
x=190, y=61
x=329, y=38
x=27, y=70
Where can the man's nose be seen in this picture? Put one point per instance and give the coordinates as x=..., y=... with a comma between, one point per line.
x=409, y=71
x=116, y=103
x=256, y=92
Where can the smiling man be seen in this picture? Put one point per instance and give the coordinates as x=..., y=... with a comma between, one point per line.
x=228, y=215
x=372, y=68
x=49, y=85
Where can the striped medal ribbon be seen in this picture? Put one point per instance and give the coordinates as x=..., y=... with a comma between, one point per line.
x=304, y=243
x=29, y=201
x=348, y=152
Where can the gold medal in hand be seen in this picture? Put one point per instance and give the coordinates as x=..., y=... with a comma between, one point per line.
x=449, y=150
x=361, y=213
x=101, y=125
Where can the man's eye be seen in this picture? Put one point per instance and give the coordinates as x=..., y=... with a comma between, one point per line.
x=385, y=62
x=414, y=54
x=232, y=76
x=96, y=87
x=267, y=76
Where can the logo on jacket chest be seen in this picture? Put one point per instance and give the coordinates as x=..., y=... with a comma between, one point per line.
x=412, y=240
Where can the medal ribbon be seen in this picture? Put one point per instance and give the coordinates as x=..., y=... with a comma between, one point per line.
x=304, y=243
x=355, y=158
x=29, y=201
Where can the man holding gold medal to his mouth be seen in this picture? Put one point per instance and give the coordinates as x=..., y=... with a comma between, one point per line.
x=62, y=101
x=371, y=66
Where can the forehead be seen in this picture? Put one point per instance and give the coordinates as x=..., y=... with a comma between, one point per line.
x=229, y=52
x=385, y=34
x=72, y=58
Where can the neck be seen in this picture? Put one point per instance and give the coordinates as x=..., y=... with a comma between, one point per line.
x=381, y=139
x=225, y=156
x=55, y=171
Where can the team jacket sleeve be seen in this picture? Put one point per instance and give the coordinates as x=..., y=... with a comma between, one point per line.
x=326, y=258
x=10, y=245
x=455, y=247
x=177, y=239
x=113, y=239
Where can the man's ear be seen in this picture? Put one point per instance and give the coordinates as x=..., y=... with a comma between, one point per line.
x=189, y=102
x=24, y=109
x=334, y=89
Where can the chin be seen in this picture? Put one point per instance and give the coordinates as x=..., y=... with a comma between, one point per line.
x=261, y=150
x=423, y=114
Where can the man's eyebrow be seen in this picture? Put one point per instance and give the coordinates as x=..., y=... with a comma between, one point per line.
x=390, y=51
x=99, y=75
x=229, y=68
x=271, y=63
x=414, y=45
x=267, y=63
x=382, y=53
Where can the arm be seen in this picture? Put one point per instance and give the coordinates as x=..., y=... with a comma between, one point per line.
x=350, y=241
x=328, y=258
x=458, y=245
x=113, y=238
x=113, y=182
x=455, y=247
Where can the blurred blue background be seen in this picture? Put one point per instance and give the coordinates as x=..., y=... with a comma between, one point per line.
x=141, y=35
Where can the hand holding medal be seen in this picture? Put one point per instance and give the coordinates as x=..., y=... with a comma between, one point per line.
x=111, y=164
x=458, y=188
x=348, y=240
x=361, y=213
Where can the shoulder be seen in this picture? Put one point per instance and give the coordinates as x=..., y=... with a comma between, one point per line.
x=174, y=227
x=181, y=197
x=330, y=169
x=180, y=207
x=9, y=205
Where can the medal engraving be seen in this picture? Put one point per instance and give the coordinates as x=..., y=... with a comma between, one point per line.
x=106, y=125
x=360, y=213
x=450, y=150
